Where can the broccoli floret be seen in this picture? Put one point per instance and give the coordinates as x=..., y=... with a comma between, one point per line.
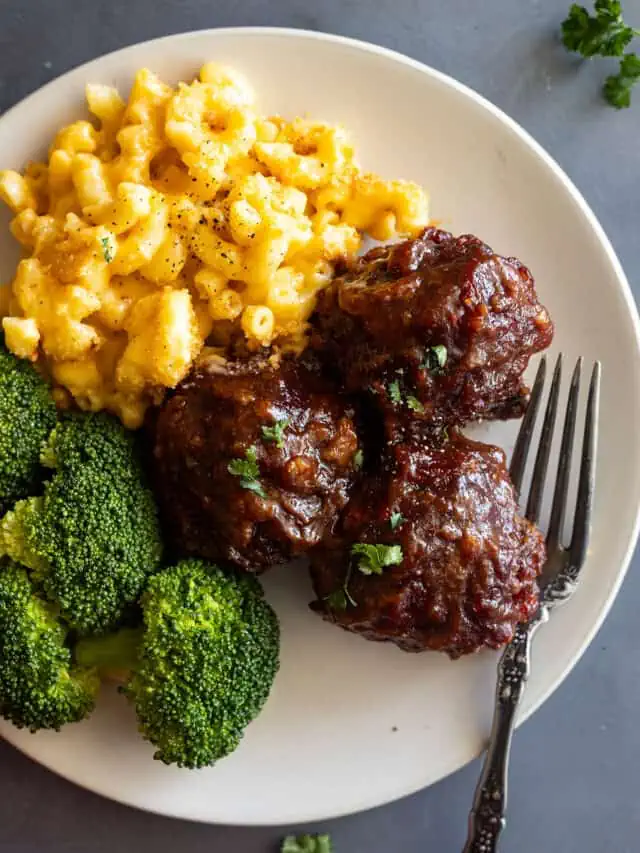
x=27, y=416
x=17, y=536
x=202, y=664
x=40, y=687
x=93, y=538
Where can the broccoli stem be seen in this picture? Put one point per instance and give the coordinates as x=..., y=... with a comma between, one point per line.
x=114, y=652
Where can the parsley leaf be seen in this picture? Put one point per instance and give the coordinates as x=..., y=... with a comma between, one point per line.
x=254, y=486
x=602, y=34
x=247, y=467
x=396, y=519
x=340, y=599
x=276, y=432
x=307, y=844
x=605, y=34
x=617, y=87
x=248, y=471
x=435, y=359
x=358, y=460
x=394, y=392
x=337, y=600
x=414, y=404
x=374, y=558
x=107, y=249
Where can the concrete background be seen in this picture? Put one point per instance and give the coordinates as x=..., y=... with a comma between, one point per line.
x=576, y=774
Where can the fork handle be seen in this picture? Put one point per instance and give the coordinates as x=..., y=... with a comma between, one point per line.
x=487, y=818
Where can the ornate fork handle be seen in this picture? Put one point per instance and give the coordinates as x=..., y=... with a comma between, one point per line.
x=487, y=817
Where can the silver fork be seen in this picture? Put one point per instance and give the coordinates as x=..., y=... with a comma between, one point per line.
x=558, y=581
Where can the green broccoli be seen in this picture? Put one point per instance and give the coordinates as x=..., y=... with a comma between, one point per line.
x=27, y=416
x=40, y=687
x=93, y=538
x=201, y=667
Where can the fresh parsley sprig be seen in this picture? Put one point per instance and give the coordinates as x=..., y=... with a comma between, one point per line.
x=617, y=87
x=435, y=359
x=602, y=34
x=374, y=559
x=605, y=33
x=275, y=433
x=248, y=471
x=341, y=598
x=307, y=844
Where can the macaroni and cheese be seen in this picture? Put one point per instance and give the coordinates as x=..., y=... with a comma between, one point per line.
x=180, y=216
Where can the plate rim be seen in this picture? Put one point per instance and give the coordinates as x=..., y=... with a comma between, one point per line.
x=577, y=197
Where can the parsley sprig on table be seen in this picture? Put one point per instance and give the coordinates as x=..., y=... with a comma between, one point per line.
x=248, y=471
x=307, y=844
x=617, y=87
x=605, y=33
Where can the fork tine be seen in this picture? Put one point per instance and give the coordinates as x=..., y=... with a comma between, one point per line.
x=544, y=448
x=525, y=434
x=558, y=508
x=586, y=484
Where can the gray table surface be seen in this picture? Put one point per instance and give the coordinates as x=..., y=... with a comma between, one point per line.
x=576, y=773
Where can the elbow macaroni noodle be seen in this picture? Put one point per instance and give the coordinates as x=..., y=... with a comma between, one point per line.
x=180, y=216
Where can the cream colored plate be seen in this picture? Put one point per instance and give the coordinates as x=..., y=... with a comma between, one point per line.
x=353, y=724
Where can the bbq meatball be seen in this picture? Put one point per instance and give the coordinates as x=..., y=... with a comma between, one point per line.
x=431, y=552
x=253, y=460
x=439, y=328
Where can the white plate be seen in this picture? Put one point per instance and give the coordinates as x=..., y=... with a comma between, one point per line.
x=353, y=724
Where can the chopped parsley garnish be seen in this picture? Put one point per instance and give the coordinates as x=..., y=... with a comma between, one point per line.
x=107, y=249
x=340, y=599
x=398, y=399
x=276, y=432
x=254, y=486
x=396, y=519
x=307, y=844
x=373, y=559
x=358, y=460
x=248, y=471
x=605, y=33
x=394, y=392
x=435, y=359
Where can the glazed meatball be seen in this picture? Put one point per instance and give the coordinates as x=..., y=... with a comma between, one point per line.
x=431, y=553
x=253, y=460
x=439, y=328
